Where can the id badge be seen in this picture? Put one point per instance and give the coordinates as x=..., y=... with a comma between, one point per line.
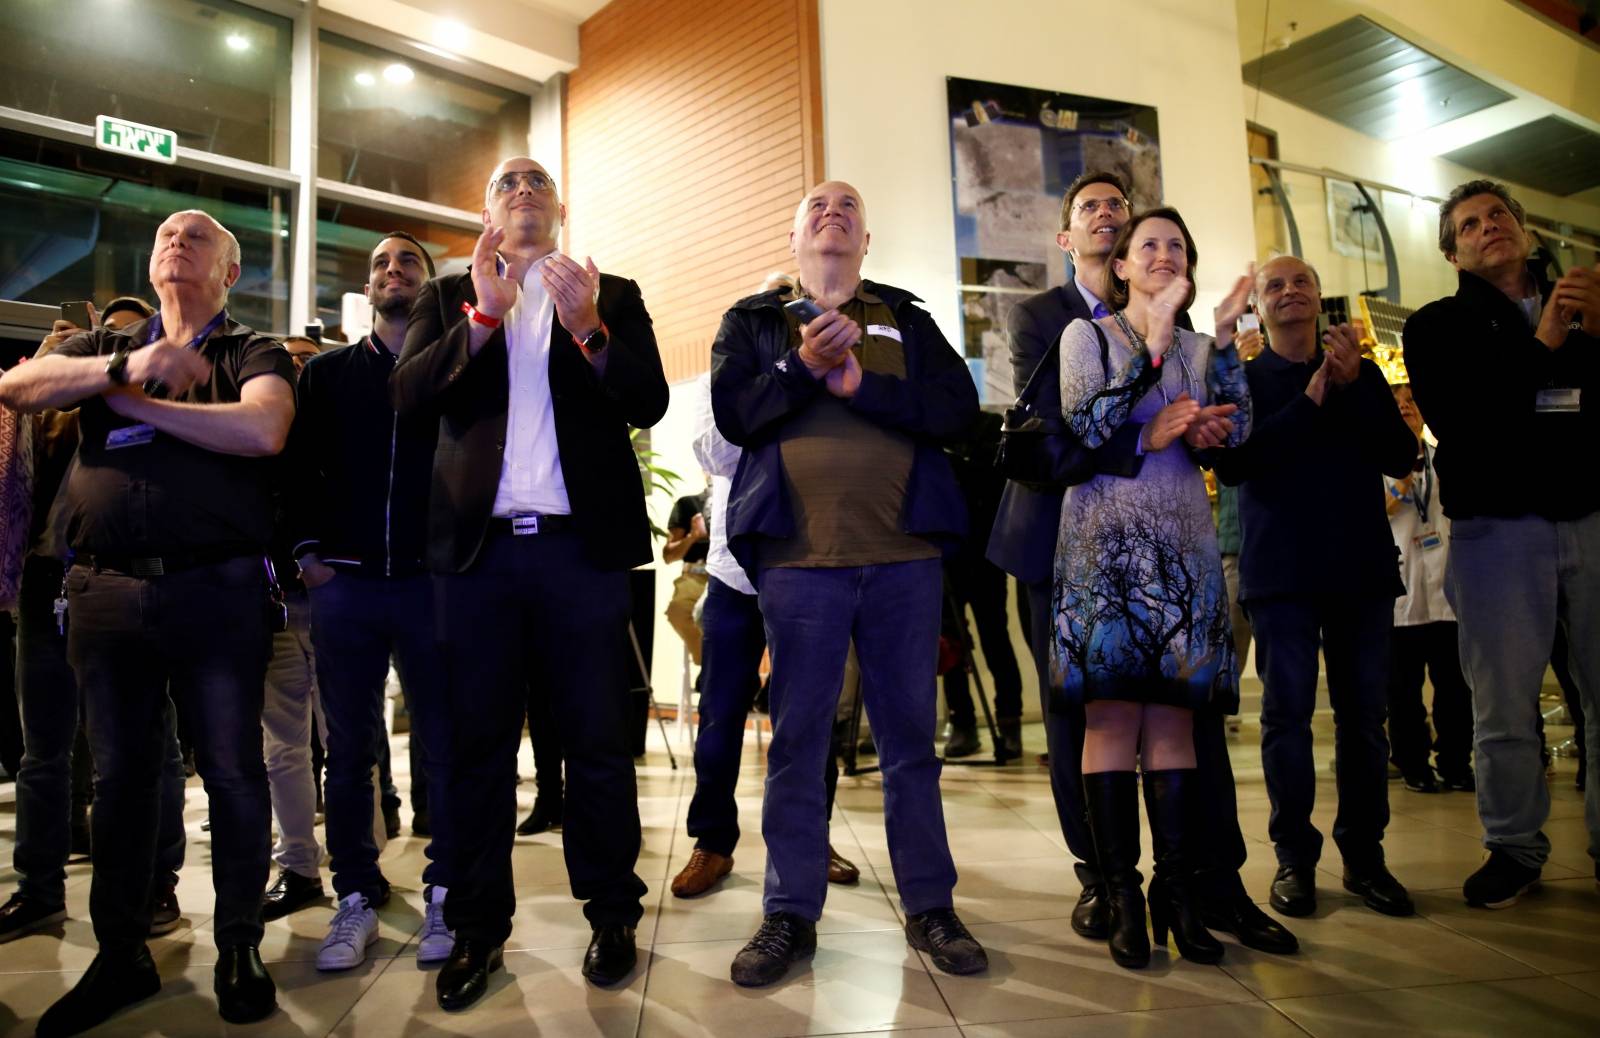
x=130, y=436
x=1555, y=401
x=523, y=525
x=1428, y=541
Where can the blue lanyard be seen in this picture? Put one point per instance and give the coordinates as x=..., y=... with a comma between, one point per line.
x=156, y=331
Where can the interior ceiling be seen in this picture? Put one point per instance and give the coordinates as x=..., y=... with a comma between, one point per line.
x=1392, y=88
x=575, y=11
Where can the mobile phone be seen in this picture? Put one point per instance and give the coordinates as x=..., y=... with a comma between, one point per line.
x=77, y=313
x=1324, y=322
x=805, y=309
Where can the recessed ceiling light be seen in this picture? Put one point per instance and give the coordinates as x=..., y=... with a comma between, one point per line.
x=237, y=42
x=398, y=73
x=366, y=78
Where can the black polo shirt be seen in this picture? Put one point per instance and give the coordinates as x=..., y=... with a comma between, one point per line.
x=169, y=497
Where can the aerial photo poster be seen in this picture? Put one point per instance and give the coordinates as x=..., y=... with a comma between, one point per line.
x=1013, y=151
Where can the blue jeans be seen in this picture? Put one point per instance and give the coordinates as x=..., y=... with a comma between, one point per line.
x=202, y=632
x=1354, y=635
x=892, y=613
x=48, y=695
x=1511, y=583
x=356, y=622
x=732, y=643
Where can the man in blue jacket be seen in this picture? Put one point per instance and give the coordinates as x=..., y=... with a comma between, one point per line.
x=839, y=511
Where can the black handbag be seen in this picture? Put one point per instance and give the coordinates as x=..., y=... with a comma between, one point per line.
x=1036, y=449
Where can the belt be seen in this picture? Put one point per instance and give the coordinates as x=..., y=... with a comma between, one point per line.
x=526, y=524
x=159, y=565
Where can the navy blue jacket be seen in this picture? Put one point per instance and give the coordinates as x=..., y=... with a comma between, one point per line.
x=758, y=381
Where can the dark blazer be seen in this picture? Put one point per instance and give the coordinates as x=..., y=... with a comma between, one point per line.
x=1023, y=541
x=592, y=414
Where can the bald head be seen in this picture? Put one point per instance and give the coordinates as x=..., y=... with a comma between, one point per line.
x=520, y=198
x=1287, y=291
x=194, y=253
x=830, y=224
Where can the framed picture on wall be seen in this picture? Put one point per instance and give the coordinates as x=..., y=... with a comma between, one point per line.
x=1351, y=227
x=1013, y=151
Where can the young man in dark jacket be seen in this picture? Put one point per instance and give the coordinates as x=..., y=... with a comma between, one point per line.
x=1507, y=372
x=839, y=512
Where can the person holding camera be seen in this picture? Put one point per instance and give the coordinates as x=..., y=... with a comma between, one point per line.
x=169, y=517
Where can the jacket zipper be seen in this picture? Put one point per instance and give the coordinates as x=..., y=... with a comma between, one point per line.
x=388, y=501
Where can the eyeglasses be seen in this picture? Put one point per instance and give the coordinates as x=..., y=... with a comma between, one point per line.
x=536, y=180
x=1112, y=206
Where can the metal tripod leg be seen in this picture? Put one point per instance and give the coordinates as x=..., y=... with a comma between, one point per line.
x=644, y=672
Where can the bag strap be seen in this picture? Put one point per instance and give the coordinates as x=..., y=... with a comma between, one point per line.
x=1030, y=392
x=1105, y=351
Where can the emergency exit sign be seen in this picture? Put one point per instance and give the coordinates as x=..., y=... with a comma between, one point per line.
x=130, y=138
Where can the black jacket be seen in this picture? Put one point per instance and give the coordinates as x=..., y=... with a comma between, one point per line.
x=1023, y=540
x=357, y=485
x=1476, y=370
x=470, y=396
x=758, y=381
x=1311, y=503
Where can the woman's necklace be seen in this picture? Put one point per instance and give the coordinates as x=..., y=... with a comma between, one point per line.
x=1176, y=348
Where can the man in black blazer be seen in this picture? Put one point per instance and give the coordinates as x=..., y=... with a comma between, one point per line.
x=1094, y=209
x=536, y=366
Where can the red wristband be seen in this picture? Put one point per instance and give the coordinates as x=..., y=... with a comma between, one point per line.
x=477, y=316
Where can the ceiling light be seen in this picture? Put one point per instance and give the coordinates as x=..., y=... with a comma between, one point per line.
x=237, y=42
x=398, y=73
x=365, y=78
x=449, y=33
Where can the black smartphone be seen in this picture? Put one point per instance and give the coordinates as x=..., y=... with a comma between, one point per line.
x=77, y=313
x=805, y=309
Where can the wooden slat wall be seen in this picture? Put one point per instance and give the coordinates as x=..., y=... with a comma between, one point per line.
x=692, y=129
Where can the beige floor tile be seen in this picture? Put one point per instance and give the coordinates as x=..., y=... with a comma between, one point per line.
x=1249, y=1018
x=1589, y=982
x=1348, y=947
x=1017, y=889
x=536, y=993
x=1041, y=969
x=856, y=982
x=1542, y=1005
x=732, y=910
x=1554, y=928
x=297, y=936
x=549, y=919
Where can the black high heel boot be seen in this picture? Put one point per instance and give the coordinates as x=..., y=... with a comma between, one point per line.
x=1167, y=800
x=1113, y=801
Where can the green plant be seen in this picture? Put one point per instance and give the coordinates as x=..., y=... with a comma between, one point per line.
x=653, y=476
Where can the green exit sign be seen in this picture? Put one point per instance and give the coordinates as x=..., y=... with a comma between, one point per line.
x=130, y=138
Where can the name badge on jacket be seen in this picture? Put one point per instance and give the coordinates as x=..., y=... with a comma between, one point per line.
x=1558, y=400
x=130, y=436
x=887, y=331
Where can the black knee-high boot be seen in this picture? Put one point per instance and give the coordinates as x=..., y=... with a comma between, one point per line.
x=1168, y=799
x=1113, y=800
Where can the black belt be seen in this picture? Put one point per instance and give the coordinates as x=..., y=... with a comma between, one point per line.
x=533, y=524
x=159, y=565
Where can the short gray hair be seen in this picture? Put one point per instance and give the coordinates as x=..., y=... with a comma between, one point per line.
x=1471, y=189
x=234, y=256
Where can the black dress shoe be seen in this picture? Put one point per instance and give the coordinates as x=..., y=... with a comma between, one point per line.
x=783, y=940
x=546, y=815
x=1089, y=915
x=1377, y=887
x=1253, y=927
x=465, y=974
x=111, y=983
x=1294, y=891
x=290, y=893
x=245, y=993
x=611, y=955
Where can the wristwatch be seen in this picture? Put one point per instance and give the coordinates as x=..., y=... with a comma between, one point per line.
x=117, y=368
x=596, y=340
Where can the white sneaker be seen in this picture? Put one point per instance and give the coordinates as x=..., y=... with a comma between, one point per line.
x=436, y=941
x=354, y=927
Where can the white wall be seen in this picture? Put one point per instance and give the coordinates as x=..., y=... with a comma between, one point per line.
x=883, y=69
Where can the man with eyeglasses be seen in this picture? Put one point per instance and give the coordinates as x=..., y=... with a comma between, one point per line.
x=1094, y=209
x=535, y=366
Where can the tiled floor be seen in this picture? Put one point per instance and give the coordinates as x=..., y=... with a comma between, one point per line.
x=1451, y=970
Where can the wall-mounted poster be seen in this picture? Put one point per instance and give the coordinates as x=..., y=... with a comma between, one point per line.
x=1013, y=151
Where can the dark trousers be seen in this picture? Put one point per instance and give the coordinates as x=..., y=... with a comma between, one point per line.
x=978, y=583
x=533, y=608
x=56, y=754
x=1354, y=636
x=1432, y=649
x=204, y=634
x=356, y=624
x=1218, y=857
x=544, y=738
x=891, y=612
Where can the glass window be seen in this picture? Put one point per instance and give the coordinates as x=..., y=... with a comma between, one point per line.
x=391, y=124
x=76, y=223
x=214, y=72
x=346, y=236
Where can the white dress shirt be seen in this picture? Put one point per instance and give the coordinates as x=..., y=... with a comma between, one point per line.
x=721, y=459
x=530, y=473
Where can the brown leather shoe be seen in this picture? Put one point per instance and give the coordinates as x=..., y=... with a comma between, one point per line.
x=840, y=869
x=701, y=874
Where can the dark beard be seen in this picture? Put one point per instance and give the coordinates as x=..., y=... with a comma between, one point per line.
x=392, y=307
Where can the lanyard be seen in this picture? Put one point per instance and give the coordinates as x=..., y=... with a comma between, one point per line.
x=156, y=331
x=1425, y=494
